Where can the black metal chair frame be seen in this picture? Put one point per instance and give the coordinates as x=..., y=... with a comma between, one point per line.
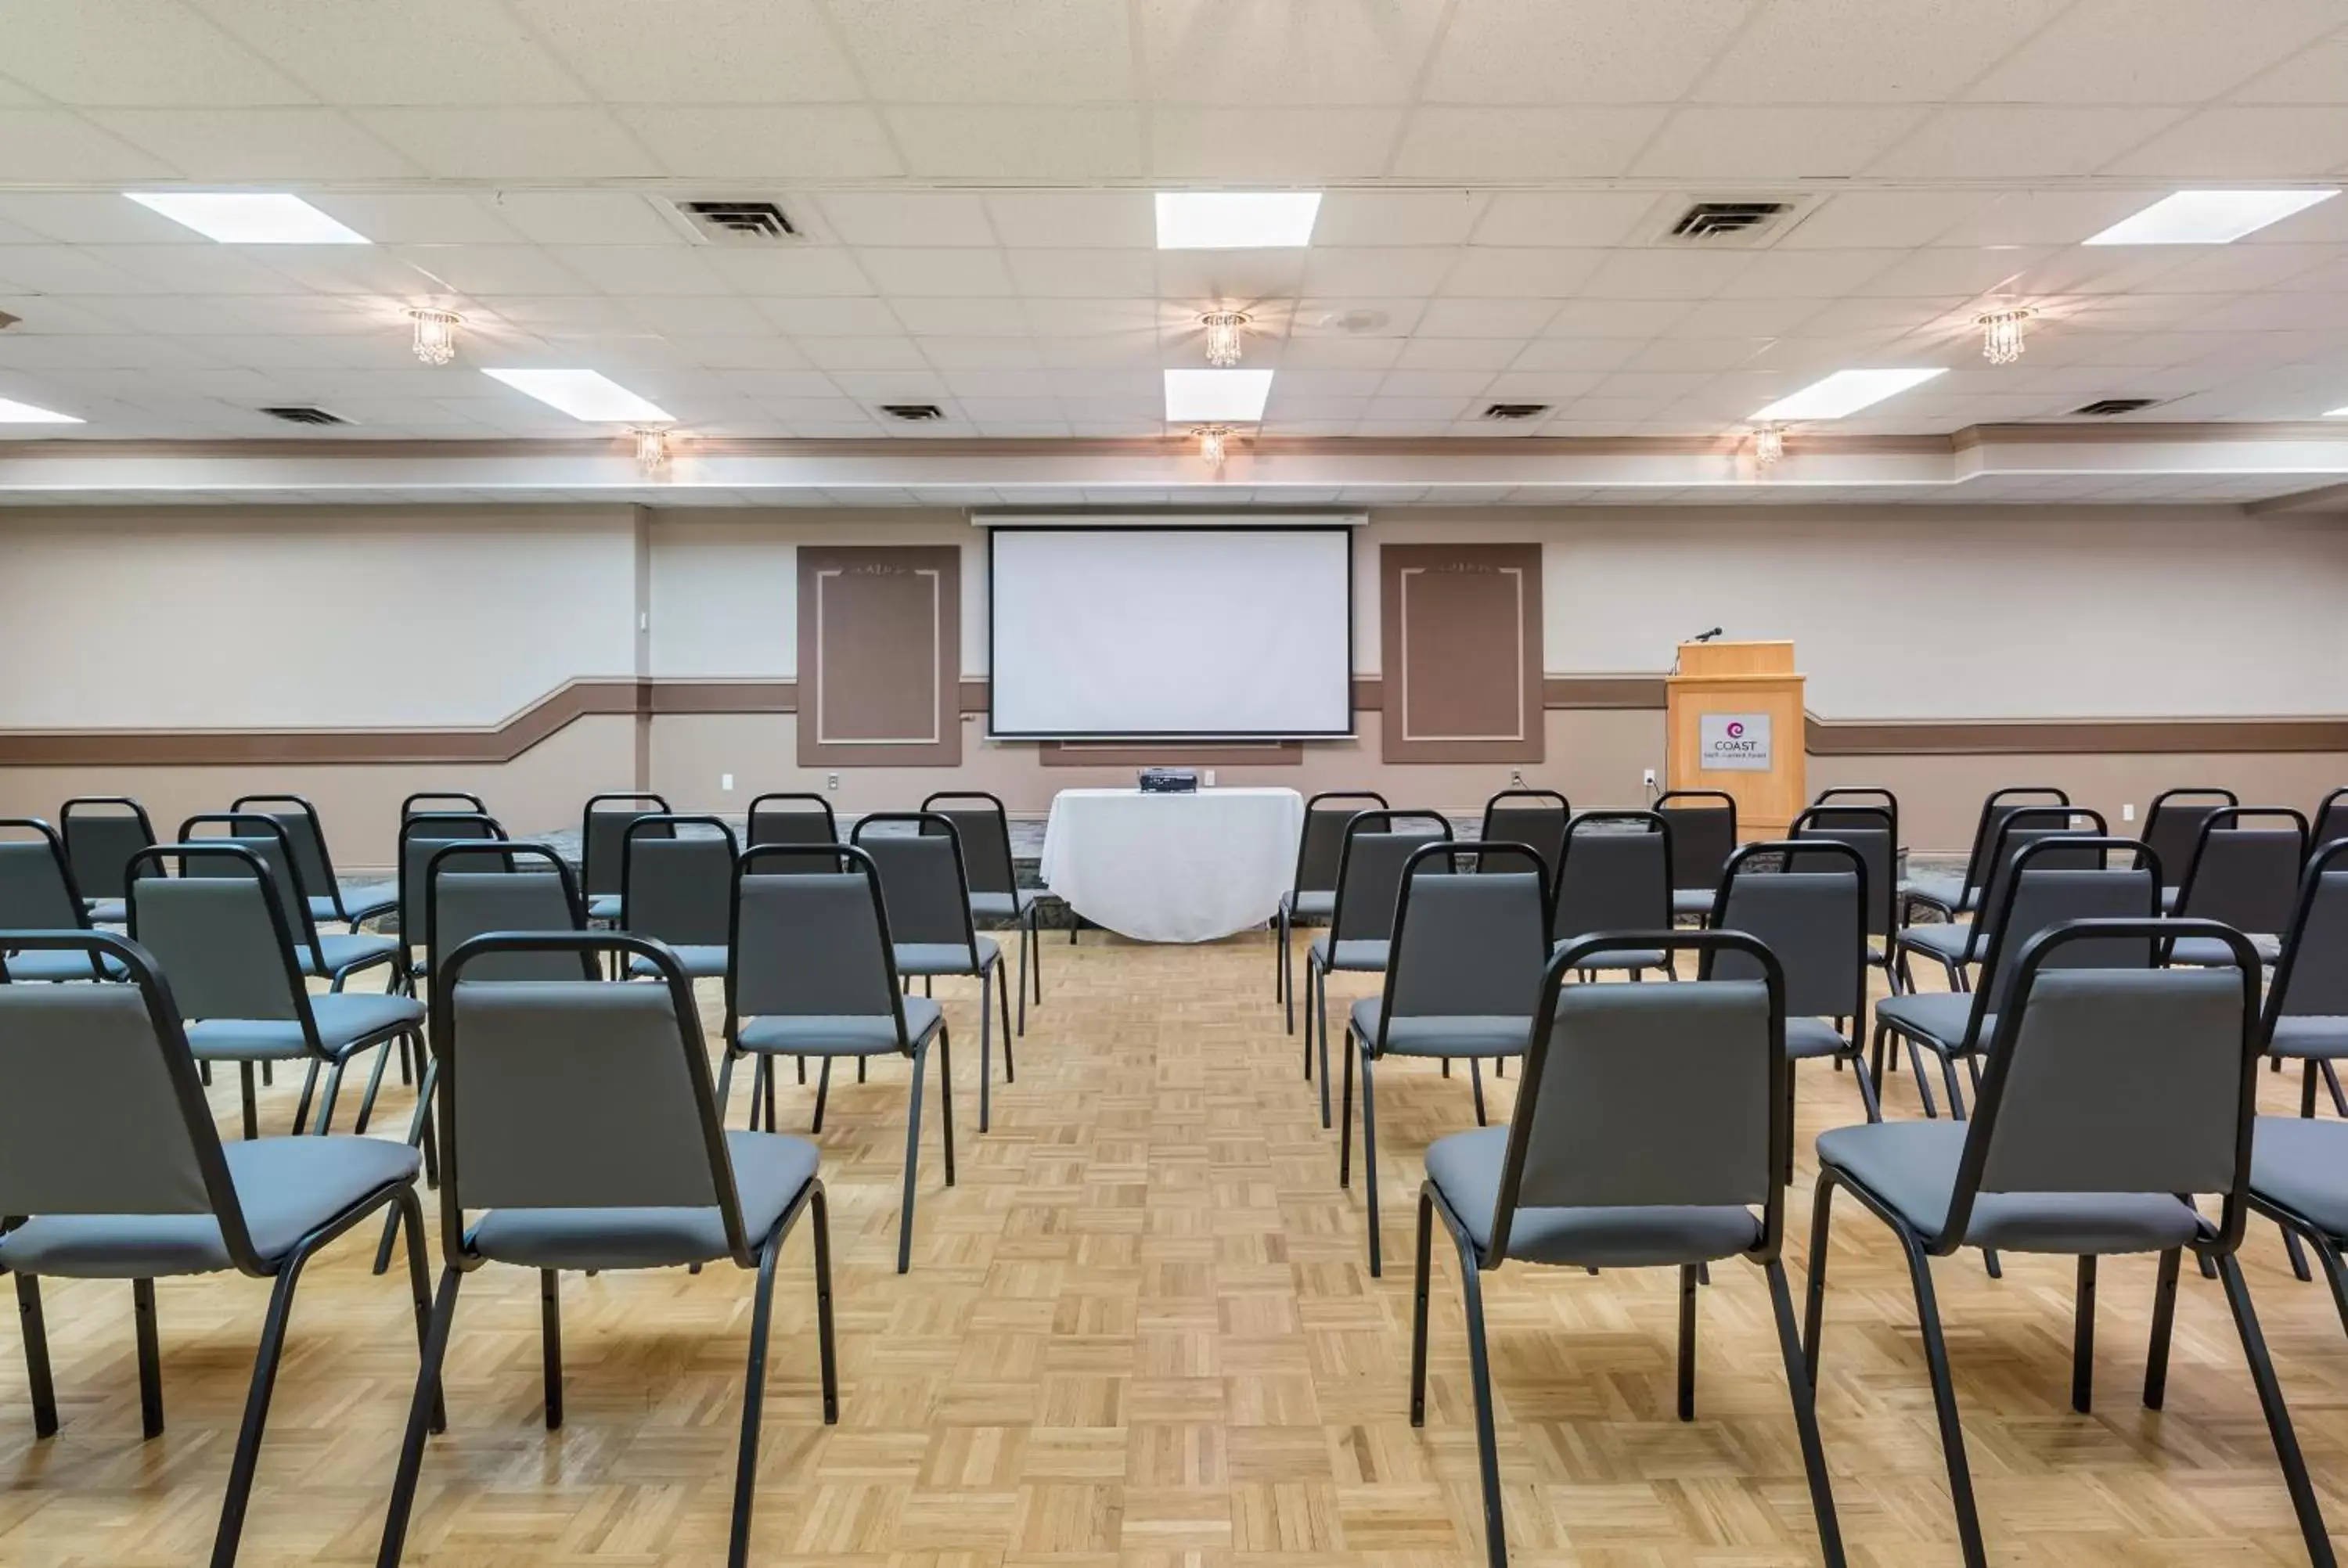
x=1316, y=980
x=747, y=1252
x=333, y=891
x=1766, y=1253
x=1979, y=859
x=1486, y=833
x=1654, y=822
x=66, y=880
x=591, y=885
x=1286, y=919
x=137, y=813
x=2287, y=966
x=220, y=1190
x=1822, y=816
x=1663, y=805
x=2234, y=817
x=2218, y=1250
x=2212, y=798
x=1031, y=941
x=1786, y=851
x=2336, y=803
x=663, y=826
x=414, y=936
x=299, y=921
x=750, y=839
x=422, y=802
x=2054, y=820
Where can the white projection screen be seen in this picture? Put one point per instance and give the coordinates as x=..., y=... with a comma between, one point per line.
x=1147, y=634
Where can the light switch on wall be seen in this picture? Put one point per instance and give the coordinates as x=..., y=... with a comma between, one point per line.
x=2127, y=812
x=725, y=782
x=1211, y=778
x=831, y=781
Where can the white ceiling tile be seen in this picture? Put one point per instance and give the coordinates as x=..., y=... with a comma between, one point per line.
x=2309, y=76
x=699, y=315
x=1861, y=219
x=1444, y=383
x=1487, y=145
x=66, y=147
x=1550, y=386
x=2249, y=144
x=1495, y=318
x=1238, y=278
x=784, y=141
x=397, y=219
x=1579, y=51
x=1375, y=269
x=1117, y=322
x=232, y=146
x=1342, y=352
x=1568, y=217
x=1728, y=316
x=689, y=51
x=495, y=269
x=907, y=218
x=1326, y=383
x=1697, y=354
x=1869, y=51
x=89, y=218
x=1298, y=52
x=135, y=52
x=863, y=352
x=1521, y=272
x=942, y=271
x=1977, y=141
x=642, y=269
x=1615, y=318
x=787, y=270
x=1773, y=143
x=750, y=351
x=1083, y=274
x=1397, y=218
x=1805, y=274
x=511, y=143
x=1950, y=272
x=1661, y=274
x=416, y=52
x=2155, y=51
x=835, y=317
x=1581, y=354
x=1456, y=354
x=2045, y=217
x=1078, y=220
x=944, y=317
x=953, y=51
x=1270, y=145
x=585, y=218
x=1043, y=143
x=771, y=382
x=2242, y=269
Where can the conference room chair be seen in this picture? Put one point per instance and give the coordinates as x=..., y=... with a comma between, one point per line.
x=1535, y=818
x=1371, y=855
x=102, y=831
x=2298, y=1179
x=2306, y=1018
x=1703, y=824
x=1957, y=947
x=1871, y=831
x=2245, y=874
x=603, y=830
x=2044, y=884
x=2172, y=825
x=1464, y=979
x=995, y=890
x=627, y=1167
x=109, y=1159
x=2331, y=818
x=38, y=893
x=790, y=817
x=1615, y=876
x=422, y=835
x=1312, y=896
x=1649, y=1133
x=223, y=933
x=925, y=893
x=2113, y=1098
x=1950, y=896
x=813, y=975
x=677, y=888
x=305, y=839
x=331, y=956
x=1808, y=904
x=463, y=802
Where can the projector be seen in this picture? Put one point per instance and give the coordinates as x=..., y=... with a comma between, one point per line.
x=1169, y=781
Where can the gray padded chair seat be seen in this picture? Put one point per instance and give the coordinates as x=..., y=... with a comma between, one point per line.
x=1465, y=1035
x=361, y=901
x=1945, y=891
x=109, y=911
x=1466, y=1169
x=1362, y=955
x=701, y=961
x=1312, y=904
x=769, y=1173
x=944, y=957
x=2311, y=1035
x=1808, y=1038
x=1001, y=906
x=1950, y=944
x=55, y=966
x=340, y=952
x=856, y=1035
x=603, y=907
x=1930, y=1015
x=1616, y=958
x=2304, y=1165
x=346, y=1019
x=2209, y=953
x=287, y=1187
x=1690, y=901
x=1912, y=1167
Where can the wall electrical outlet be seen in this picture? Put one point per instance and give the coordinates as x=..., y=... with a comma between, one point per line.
x=1516, y=779
x=2127, y=812
x=725, y=782
x=1650, y=779
x=831, y=781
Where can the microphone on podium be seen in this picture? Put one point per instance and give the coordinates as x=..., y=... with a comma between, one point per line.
x=1706, y=636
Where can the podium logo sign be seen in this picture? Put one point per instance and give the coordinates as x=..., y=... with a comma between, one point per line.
x=1733, y=742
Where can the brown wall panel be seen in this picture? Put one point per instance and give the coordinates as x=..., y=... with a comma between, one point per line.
x=1461, y=637
x=879, y=656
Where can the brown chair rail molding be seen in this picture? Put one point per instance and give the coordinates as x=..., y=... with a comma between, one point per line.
x=592, y=696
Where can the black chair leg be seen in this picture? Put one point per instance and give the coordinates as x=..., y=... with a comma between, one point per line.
x=1944, y=1402
x=2164, y=1318
x=326, y=1101
x=1418, y=1307
x=410, y=1211
x=1321, y=989
x=150, y=1359
x=945, y=1098
x=550, y=1335
x=1487, y=1441
x=256, y=1409
x=1815, y=1293
x=1345, y=1118
x=2339, y=1096
x=1868, y=1096
x=1002, y=996
x=1021, y=1028
x=1805, y=1415
x=826, y=1345
x=309, y=1093
x=1282, y=963
x=1311, y=969
x=419, y=1417
x=2082, y=1339
x=726, y=1084
x=1369, y=1164
x=375, y=1080
x=912, y=1158
x=986, y=1059
x=2336, y=1274
x=35, y=1331
x=252, y=1100
x=1687, y=1342
x=2278, y=1414
x=1923, y=1088
x=823, y=1092
x=1475, y=1087
x=754, y=1401
x=861, y=1062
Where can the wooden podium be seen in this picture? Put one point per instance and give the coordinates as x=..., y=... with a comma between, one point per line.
x=1734, y=722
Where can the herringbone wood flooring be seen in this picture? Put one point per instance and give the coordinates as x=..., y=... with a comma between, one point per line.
x=1141, y=1332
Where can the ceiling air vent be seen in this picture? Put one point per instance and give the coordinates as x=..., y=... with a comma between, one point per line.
x=913, y=412
x=739, y=222
x=2105, y=407
x=1726, y=219
x=1515, y=410
x=303, y=414
x=7, y=321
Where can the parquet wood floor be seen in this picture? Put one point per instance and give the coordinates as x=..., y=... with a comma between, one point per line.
x=1141, y=1332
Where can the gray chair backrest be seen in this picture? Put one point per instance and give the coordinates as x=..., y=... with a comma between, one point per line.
x=2000, y=806
x=1469, y=946
x=1323, y=843
x=2244, y=876
x=813, y=944
x=102, y=833
x=2043, y=896
x=104, y=1113
x=2173, y=823
x=808, y=822
x=265, y=839
x=1639, y=1096
x=2022, y=827
x=305, y=839
x=985, y=833
x=474, y=890
x=421, y=837
x=2117, y=1082
x=922, y=886
x=602, y=835
x=36, y=888
x=219, y=929
x=574, y=1094
x=1377, y=846
x=1616, y=876
x=675, y=888
x=2310, y=977
x=1536, y=818
x=1811, y=915
x=2331, y=819
x=1703, y=836
x=1870, y=834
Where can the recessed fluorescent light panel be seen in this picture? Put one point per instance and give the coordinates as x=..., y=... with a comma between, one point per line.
x=583, y=394
x=1845, y=391
x=2209, y=217
x=246, y=218
x=1216, y=396
x=2340, y=413
x=1236, y=219
x=25, y=413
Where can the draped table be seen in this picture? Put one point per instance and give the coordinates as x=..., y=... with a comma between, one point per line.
x=1172, y=867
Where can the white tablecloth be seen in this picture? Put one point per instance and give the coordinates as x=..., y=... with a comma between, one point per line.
x=1173, y=868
